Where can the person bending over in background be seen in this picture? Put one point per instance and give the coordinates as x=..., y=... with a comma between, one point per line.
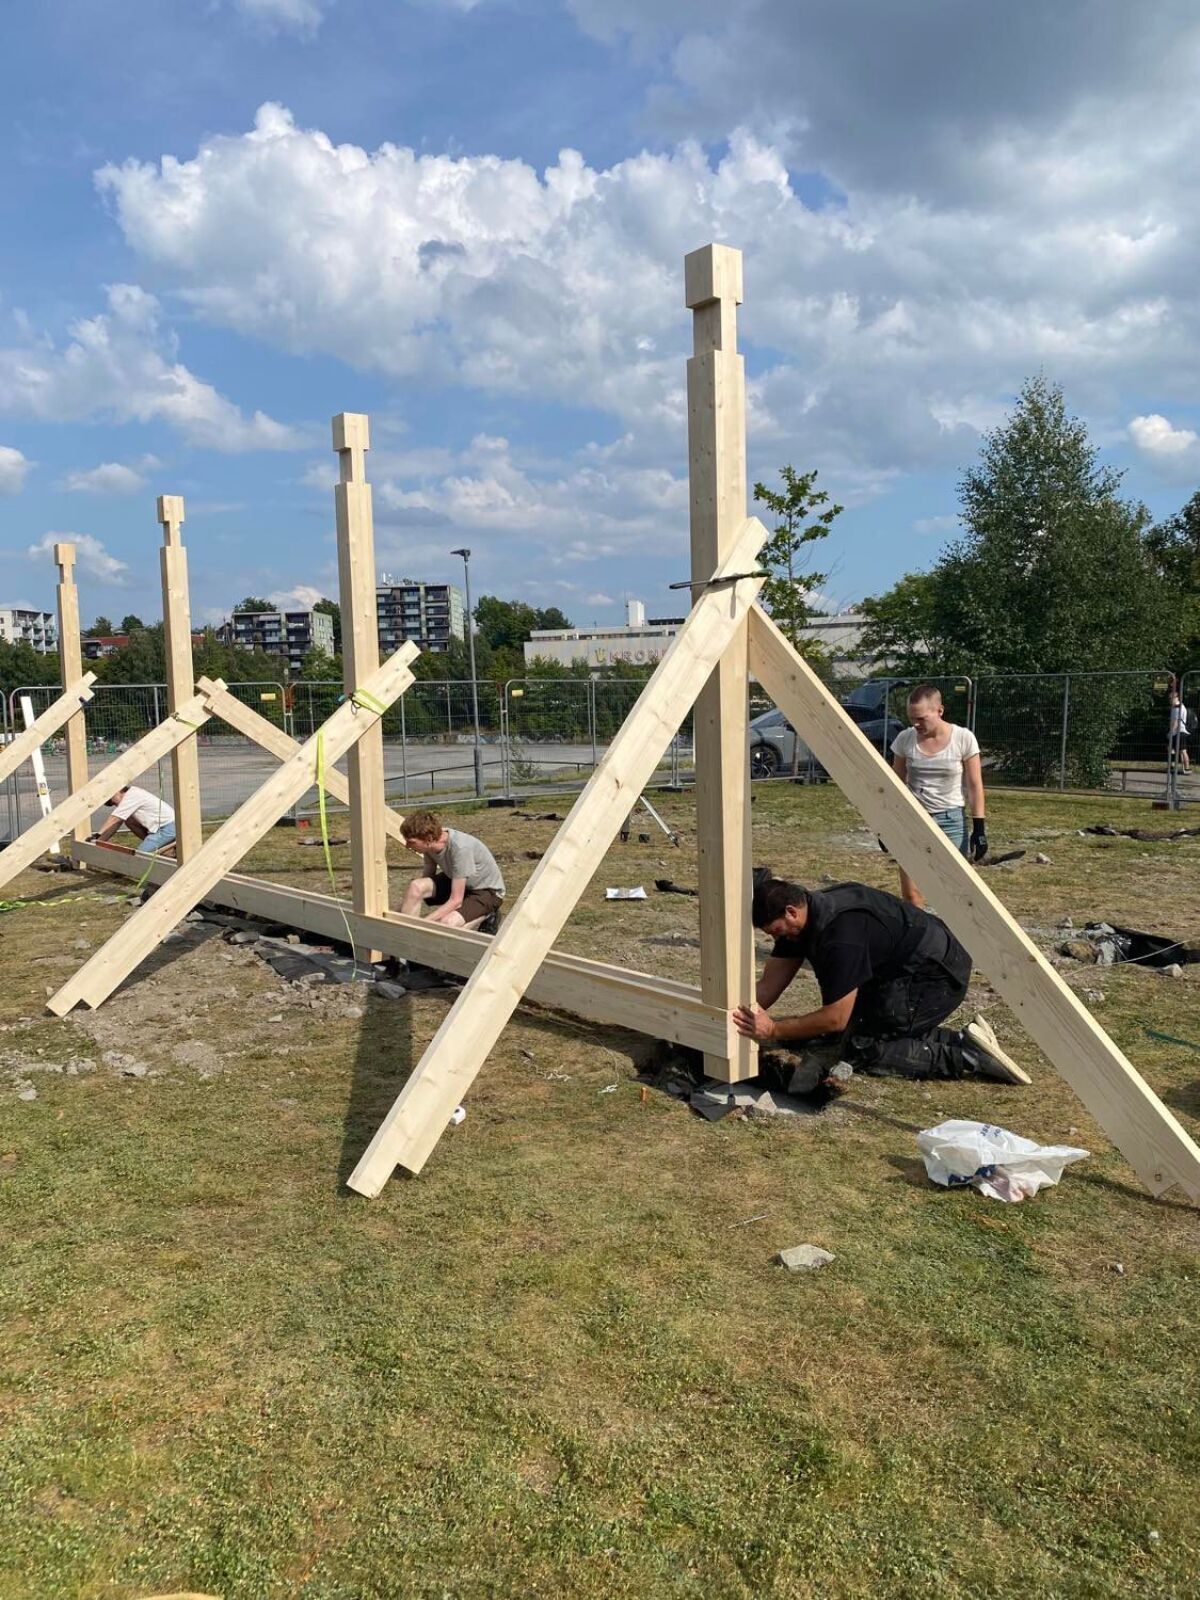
x=938, y=760
x=146, y=815
x=889, y=975
x=461, y=879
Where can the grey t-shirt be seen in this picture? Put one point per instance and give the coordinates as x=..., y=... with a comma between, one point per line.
x=467, y=857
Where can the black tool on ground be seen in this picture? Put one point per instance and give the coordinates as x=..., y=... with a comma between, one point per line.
x=1145, y=835
x=665, y=886
x=1146, y=949
x=1009, y=855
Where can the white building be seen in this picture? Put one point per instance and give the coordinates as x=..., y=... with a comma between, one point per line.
x=638, y=642
x=36, y=628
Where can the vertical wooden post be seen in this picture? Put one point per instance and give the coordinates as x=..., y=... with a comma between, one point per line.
x=360, y=653
x=71, y=659
x=716, y=389
x=177, y=642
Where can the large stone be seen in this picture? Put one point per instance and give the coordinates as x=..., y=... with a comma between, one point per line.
x=804, y=1258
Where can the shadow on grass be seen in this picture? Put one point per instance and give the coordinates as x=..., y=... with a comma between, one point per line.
x=1186, y=1098
x=382, y=1063
x=165, y=955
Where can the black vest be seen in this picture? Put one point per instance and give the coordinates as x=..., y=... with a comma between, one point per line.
x=914, y=935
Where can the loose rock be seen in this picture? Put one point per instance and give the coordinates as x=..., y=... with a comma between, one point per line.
x=1041, y=860
x=804, y=1258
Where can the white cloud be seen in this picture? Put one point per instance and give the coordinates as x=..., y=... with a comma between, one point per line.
x=899, y=324
x=300, y=16
x=91, y=555
x=14, y=468
x=121, y=365
x=110, y=477
x=1174, y=450
x=302, y=596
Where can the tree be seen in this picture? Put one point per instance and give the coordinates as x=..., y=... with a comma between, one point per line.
x=504, y=623
x=904, y=633
x=252, y=603
x=102, y=628
x=132, y=624
x=1174, y=550
x=552, y=617
x=317, y=667
x=334, y=610
x=786, y=592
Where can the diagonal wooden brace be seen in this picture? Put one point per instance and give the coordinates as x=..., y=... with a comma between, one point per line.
x=46, y=726
x=277, y=743
x=133, y=942
x=458, y=1050
x=1145, y=1132
x=77, y=808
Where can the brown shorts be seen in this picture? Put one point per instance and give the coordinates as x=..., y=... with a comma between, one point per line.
x=476, y=902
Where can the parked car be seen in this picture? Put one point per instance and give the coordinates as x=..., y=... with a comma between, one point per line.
x=774, y=746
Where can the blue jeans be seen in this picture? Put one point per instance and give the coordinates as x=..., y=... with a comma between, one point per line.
x=954, y=825
x=155, y=841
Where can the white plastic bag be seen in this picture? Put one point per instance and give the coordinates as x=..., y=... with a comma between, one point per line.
x=1000, y=1164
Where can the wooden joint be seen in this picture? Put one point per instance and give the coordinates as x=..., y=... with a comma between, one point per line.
x=170, y=514
x=351, y=440
x=64, y=555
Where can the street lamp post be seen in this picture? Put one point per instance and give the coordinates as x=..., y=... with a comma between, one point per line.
x=466, y=559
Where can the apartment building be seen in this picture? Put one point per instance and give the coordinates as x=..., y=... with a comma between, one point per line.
x=288, y=634
x=39, y=629
x=430, y=614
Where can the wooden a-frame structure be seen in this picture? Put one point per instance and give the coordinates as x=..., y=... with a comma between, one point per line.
x=725, y=638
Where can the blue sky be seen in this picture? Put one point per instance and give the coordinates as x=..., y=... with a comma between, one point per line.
x=224, y=220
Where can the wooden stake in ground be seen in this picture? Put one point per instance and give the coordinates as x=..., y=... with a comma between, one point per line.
x=360, y=655
x=70, y=657
x=716, y=390
x=177, y=640
x=1137, y=1122
x=148, y=926
x=458, y=1050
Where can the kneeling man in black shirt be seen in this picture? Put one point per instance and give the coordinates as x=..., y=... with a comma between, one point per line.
x=889, y=974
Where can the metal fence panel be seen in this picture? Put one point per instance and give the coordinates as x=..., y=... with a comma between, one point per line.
x=1181, y=772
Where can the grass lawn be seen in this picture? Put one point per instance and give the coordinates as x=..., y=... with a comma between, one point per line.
x=561, y=1362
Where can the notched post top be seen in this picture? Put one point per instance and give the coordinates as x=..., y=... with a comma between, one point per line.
x=170, y=514
x=64, y=555
x=712, y=289
x=351, y=439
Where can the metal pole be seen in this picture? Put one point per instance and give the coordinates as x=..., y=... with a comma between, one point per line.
x=403, y=752
x=1066, y=716
x=592, y=717
x=466, y=555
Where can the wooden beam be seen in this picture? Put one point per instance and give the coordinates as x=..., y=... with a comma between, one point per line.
x=664, y=1008
x=1148, y=1136
x=459, y=1048
x=716, y=389
x=75, y=812
x=360, y=656
x=177, y=643
x=24, y=745
x=45, y=804
x=277, y=743
x=70, y=657
x=134, y=941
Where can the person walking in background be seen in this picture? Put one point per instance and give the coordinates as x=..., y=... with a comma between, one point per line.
x=1178, y=729
x=939, y=762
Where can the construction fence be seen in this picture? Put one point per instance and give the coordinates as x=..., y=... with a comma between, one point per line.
x=452, y=741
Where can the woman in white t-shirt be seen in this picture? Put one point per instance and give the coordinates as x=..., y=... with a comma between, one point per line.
x=939, y=761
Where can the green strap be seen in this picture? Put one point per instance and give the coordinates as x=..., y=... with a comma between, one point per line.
x=367, y=702
x=175, y=715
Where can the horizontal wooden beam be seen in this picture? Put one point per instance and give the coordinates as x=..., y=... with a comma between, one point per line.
x=22, y=745
x=1135, y=1119
x=664, y=1008
x=77, y=808
x=277, y=743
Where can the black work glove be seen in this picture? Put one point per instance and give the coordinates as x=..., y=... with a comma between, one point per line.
x=979, y=845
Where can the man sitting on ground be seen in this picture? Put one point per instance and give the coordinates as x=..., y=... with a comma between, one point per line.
x=889, y=974
x=461, y=879
x=146, y=815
